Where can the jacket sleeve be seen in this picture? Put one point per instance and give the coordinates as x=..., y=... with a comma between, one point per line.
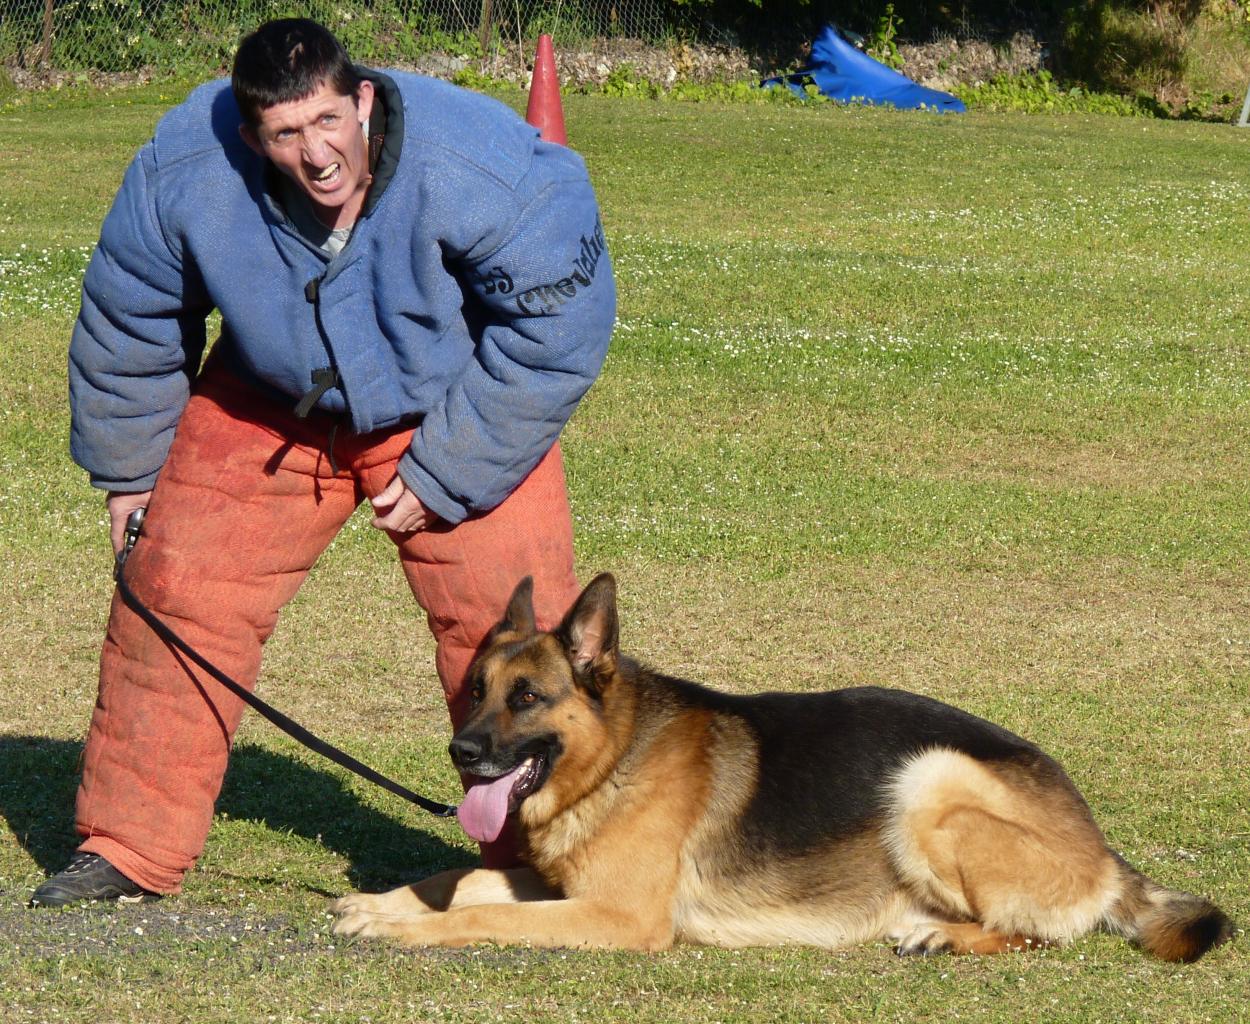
x=137, y=343
x=548, y=303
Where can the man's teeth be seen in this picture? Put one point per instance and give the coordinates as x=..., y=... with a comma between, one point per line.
x=328, y=173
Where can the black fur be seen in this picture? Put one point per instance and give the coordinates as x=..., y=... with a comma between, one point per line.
x=825, y=757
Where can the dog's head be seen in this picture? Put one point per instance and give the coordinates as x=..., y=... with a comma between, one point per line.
x=536, y=727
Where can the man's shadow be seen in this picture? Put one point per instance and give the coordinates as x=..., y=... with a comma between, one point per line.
x=39, y=777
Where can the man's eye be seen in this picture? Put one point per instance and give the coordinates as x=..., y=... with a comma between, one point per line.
x=330, y=120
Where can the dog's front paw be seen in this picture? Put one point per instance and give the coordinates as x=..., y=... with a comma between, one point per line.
x=354, y=922
x=365, y=924
x=356, y=902
x=371, y=915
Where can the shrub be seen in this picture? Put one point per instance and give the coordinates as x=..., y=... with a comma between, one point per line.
x=1040, y=94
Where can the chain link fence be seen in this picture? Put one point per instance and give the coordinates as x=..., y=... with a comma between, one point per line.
x=200, y=36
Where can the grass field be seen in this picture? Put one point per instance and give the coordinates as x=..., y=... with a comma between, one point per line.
x=955, y=404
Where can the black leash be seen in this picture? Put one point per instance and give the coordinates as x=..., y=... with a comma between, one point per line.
x=134, y=525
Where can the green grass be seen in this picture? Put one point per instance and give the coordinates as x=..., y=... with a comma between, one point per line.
x=957, y=404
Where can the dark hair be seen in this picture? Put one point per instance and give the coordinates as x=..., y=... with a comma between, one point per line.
x=286, y=60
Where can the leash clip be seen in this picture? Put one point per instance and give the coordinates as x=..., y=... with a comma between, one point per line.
x=134, y=526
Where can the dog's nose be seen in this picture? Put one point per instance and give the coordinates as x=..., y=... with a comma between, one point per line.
x=466, y=751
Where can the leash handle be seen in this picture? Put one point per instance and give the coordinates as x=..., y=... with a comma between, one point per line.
x=134, y=526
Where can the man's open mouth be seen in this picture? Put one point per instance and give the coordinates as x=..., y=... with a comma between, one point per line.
x=328, y=175
x=488, y=802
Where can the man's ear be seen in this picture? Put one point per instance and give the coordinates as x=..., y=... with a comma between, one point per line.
x=364, y=101
x=589, y=633
x=248, y=134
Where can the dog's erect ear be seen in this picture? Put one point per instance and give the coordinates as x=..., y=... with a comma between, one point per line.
x=589, y=633
x=519, y=618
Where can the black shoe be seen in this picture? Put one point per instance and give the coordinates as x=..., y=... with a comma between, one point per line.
x=89, y=877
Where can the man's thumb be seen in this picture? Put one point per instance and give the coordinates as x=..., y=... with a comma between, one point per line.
x=389, y=495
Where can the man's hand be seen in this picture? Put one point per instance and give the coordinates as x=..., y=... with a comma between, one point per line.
x=399, y=510
x=120, y=505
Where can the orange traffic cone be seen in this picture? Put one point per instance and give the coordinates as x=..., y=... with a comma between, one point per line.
x=544, y=111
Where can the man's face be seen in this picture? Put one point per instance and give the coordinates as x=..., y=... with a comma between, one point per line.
x=318, y=143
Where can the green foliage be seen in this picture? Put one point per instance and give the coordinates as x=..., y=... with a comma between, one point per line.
x=1030, y=93
x=1112, y=46
x=471, y=78
x=1040, y=94
x=882, y=44
x=1228, y=10
x=743, y=92
x=201, y=35
x=626, y=82
x=567, y=25
x=1186, y=54
x=383, y=30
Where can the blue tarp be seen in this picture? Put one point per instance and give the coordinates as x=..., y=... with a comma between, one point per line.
x=848, y=75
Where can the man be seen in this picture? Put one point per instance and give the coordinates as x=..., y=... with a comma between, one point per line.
x=414, y=295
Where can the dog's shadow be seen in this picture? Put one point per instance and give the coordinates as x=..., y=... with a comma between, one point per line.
x=39, y=777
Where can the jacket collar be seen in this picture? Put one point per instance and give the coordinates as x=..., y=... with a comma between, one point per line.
x=386, y=134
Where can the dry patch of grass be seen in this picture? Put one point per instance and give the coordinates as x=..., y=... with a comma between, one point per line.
x=933, y=630
x=1184, y=452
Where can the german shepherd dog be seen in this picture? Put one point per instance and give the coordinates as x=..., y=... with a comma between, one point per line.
x=653, y=810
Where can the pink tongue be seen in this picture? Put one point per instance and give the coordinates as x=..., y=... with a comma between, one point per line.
x=484, y=808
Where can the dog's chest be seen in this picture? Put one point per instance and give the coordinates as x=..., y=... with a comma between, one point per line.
x=637, y=817
x=575, y=828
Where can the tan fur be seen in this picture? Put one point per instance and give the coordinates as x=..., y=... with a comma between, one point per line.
x=971, y=841
x=637, y=837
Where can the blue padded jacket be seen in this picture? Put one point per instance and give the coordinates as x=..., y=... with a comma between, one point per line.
x=475, y=294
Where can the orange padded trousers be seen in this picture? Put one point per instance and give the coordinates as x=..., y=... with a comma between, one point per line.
x=244, y=505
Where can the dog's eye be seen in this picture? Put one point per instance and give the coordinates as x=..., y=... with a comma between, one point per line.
x=477, y=693
x=523, y=694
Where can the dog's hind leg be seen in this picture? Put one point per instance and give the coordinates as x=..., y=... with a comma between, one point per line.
x=1002, y=855
x=929, y=937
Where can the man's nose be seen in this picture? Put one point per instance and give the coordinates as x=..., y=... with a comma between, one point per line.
x=315, y=148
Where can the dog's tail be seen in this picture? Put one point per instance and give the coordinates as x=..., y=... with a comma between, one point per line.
x=1166, y=923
